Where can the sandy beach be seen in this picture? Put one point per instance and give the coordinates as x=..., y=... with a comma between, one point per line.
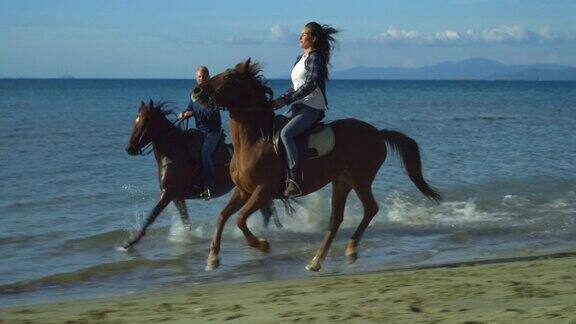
x=539, y=289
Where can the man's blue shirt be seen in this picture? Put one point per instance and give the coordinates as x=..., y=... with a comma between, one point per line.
x=207, y=119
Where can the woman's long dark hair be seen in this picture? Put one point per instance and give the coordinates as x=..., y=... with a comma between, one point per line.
x=325, y=42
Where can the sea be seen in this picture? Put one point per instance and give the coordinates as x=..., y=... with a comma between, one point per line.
x=501, y=153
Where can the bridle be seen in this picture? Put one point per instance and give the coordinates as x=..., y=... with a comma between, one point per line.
x=147, y=149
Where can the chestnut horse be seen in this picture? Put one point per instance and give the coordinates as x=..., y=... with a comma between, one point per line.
x=257, y=170
x=177, y=154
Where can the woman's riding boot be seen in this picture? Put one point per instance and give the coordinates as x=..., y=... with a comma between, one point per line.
x=293, y=183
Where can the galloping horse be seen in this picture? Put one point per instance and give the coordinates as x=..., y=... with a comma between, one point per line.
x=257, y=171
x=177, y=154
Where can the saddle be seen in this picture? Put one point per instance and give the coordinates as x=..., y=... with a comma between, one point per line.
x=316, y=142
x=222, y=154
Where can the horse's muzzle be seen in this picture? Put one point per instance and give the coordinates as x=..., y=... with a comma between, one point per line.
x=204, y=98
x=196, y=94
x=131, y=150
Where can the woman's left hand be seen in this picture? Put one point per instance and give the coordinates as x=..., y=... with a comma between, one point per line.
x=278, y=103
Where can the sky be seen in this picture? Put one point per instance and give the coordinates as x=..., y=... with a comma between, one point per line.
x=170, y=38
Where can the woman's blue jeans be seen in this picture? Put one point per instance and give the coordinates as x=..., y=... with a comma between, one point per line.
x=301, y=117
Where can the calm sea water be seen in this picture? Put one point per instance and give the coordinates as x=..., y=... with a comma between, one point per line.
x=502, y=153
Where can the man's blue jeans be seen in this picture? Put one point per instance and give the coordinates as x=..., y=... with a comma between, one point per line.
x=210, y=141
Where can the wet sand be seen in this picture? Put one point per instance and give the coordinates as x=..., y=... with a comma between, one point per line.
x=539, y=289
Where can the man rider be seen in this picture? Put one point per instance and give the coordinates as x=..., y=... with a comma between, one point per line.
x=209, y=122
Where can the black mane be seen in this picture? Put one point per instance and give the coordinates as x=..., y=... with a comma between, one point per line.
x=165, y=108
x=161, y=107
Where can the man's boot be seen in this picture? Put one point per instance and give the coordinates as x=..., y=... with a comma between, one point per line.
x=206, y=194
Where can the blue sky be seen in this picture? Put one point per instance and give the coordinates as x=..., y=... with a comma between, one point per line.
x=168, y=39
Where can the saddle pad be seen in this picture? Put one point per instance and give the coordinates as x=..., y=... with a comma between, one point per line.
x=322, y=142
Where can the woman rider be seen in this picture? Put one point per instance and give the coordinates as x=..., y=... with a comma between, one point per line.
x=307, y=96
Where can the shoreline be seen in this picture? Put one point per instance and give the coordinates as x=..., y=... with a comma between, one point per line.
x=533, y=288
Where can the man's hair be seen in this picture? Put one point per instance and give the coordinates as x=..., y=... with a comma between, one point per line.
x=203, y=69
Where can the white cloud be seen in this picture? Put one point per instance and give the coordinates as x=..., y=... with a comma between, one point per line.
x=277, y=34
x=447, y=36
x=393, y=35
x=504, y=34
x=498, y=35
x=281, y=34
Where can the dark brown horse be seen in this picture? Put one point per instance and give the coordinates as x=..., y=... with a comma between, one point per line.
x=177, y=154
x=257, y=170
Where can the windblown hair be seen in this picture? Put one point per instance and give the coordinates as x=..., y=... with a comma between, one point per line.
x=325, y=42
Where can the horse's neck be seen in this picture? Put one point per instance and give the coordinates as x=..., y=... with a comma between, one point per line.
x=246, y=129
x=169, y=141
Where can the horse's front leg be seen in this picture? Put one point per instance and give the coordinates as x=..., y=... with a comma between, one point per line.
x=183, y=210
x=164, y=200
x=236, y=201
x=260, y=197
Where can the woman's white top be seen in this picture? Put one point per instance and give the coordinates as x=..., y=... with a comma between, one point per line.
x=315, y=99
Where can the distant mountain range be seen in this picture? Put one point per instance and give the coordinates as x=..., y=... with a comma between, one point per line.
x=470, y=69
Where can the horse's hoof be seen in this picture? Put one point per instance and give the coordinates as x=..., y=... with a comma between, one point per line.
x=263, y=246
x=314, y=266
x=351, y=257
x=351, y=252
x=124, y=248
x=212, y=263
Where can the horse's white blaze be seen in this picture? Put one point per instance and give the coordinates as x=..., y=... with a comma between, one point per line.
x=137, y=120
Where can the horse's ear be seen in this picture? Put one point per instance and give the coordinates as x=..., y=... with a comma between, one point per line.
x=247, y=65
x=243, y=67
x=151, y=103
x=142, y=104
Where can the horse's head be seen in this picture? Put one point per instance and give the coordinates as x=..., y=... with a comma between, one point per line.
x=240, y=88
x=143, y=130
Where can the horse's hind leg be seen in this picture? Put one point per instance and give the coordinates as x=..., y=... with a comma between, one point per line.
x=270, y=212
x=266, y=215
x=370, y=210
x=181, y=206
x=258, y=199
x=340, y=191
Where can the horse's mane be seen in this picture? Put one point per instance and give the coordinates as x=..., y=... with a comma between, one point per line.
x=164, y=108
x=161, y=107
x=255, y=72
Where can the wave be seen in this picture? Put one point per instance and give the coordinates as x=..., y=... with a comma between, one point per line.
x=100, y=271
x=530, y=204
x=462, y=119
x=480, y=118
x=59, y=200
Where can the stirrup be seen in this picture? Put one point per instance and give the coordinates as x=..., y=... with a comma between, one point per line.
x=292, y=189
x=206, y=194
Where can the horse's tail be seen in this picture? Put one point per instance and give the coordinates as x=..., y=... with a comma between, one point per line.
x=408, y=150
